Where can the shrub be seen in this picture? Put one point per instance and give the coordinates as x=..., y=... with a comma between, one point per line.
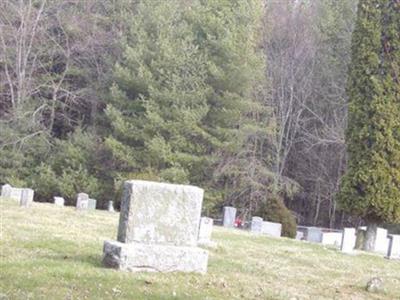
x=274, y=210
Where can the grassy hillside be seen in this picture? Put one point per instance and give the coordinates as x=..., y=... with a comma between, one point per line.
x=47, y=252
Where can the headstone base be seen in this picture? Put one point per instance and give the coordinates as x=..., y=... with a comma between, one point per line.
x=139, y=257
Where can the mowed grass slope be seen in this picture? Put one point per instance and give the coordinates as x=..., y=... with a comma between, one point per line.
x=48, y=252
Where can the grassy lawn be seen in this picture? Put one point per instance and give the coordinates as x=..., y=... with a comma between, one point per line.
x=48, y=252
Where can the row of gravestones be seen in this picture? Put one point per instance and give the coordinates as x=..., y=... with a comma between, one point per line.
x=25, y=198
x=385, y=243
x=345, y=240
x=23, y=195
x=258, y=225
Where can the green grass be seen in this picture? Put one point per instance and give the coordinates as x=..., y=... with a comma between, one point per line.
x=48, y=252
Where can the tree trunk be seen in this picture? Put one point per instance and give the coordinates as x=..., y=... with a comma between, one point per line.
x=370, y=236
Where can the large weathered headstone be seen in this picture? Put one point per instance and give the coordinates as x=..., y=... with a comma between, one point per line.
x=205, y=231
x=256, y=224
x=348, y=240
x=92, y=204
x=158, y=229
x=394, y=247
x=229, y=216
x=82, y=201
x=314, y=234
x=6, y=191
x=59, y=201
x=381, y=241
x=110, y=207
x=272, y=229
x=26, y=197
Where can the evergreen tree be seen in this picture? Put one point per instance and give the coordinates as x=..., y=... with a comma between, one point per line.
x=371, y=186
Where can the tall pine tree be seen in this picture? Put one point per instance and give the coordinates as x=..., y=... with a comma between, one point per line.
x=371, y=186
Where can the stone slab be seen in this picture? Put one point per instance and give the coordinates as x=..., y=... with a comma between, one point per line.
x=299, y=235
x=381, y=241
x=348, y=240
x=6, y=191
x=26, y=197
x=160, y=213
x=92, y=204
x=394, y=247
x=205, y=229
x=59, y=201
x=229, y=216
x=314, y=234
x=256, y=224
x=271, y=228
x=82, y=201
x=332, y=238
x=110, y=207
x=136, y=257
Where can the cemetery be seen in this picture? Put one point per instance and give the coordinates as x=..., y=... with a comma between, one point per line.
x=159, y=229
x=199, y=149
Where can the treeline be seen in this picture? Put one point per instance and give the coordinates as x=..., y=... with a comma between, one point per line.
x=243, y=98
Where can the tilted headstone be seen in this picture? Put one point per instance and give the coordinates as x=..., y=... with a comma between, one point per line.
x=394, y=247
x=110, y=207
x=82, y=201
x=348, y=240
x=314, y=234
x=92, y=204
x=59, y=201
x=332, y=238
x=158, y=229
x=6, y=191
x=205, y=231
x=381, y=241
x=26, y=197
x=229, y=216
x=256, y=224
x=271, y=228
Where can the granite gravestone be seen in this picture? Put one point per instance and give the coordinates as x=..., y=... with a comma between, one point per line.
x=229, y=217
x=256, y=224
x=59, y=201
x=205, y=231
x=348, y=240
x=82, y=201
x=158, y=229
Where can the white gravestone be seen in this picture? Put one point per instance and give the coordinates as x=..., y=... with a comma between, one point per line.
x=26, y=197
x=16, y=194
x=205, y=231
x=229, y=216
x=92, y=204
x=82, y=201
x=158, y=229
x=314, y=234
x=256, y=224
x=272, y=229
x=59, y=201
x=348, y=240
x=394, y=247
x=299, y=235
x=110, y=207
x=6, y=191
x=381, y=241
x=332, y=238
